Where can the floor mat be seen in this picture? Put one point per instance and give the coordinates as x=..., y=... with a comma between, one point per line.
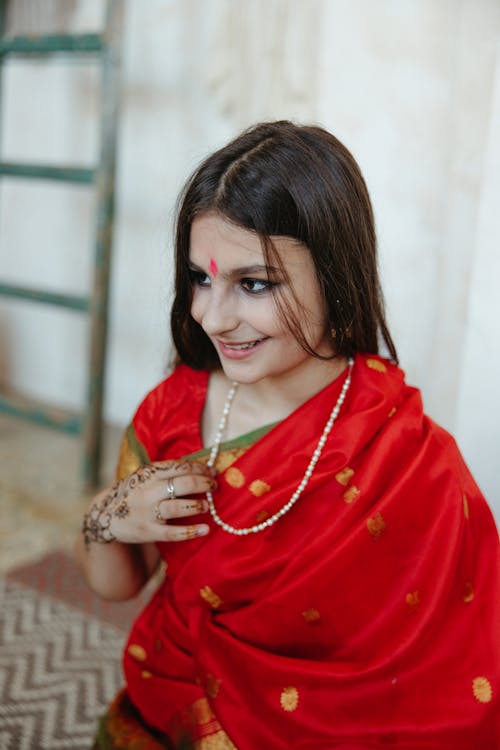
x=59, y=668
x=60, y=655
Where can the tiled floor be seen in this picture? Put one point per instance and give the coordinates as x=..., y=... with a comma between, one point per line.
x=41, y=494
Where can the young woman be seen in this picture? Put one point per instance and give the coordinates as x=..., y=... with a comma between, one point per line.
x=332, y=569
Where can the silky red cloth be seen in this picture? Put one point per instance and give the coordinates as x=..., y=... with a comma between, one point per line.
x=368, y=616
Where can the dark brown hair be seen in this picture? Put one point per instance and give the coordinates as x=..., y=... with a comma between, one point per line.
x=282, y=179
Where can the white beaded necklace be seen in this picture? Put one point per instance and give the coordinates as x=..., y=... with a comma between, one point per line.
x=307, y=474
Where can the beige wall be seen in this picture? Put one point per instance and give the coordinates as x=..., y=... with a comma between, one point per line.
x=413, y=89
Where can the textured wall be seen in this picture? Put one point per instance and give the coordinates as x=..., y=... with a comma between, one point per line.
x=413, y=89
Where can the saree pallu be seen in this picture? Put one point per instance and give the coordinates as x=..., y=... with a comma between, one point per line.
x=366, y=617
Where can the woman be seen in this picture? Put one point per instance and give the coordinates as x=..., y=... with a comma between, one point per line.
x=332, y=568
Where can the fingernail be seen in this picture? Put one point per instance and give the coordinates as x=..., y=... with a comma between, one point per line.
x=213, y=484
x=213, y=471
x=203, y=530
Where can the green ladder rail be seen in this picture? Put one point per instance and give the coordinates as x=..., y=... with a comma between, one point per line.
x=105, y=47
x=69, y=301
x=77, y=175
x=47, y=44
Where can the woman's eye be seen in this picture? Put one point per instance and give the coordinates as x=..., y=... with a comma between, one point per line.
x=257, y=286
x=198, y=278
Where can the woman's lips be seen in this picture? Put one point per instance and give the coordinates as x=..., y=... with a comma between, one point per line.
x=239, y=349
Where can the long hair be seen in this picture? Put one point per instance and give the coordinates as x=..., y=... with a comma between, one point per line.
x=282, y=179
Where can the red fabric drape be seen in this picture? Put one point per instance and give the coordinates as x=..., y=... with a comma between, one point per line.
x=368, y=616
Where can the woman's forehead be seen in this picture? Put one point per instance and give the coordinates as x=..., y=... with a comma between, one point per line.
x=216, y=241
x=212, y=233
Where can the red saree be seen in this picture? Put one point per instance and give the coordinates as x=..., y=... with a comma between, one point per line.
x=368, y=616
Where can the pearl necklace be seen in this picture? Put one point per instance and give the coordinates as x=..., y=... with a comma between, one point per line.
x=307, y=474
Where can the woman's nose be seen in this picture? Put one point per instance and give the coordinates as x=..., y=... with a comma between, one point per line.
x=220, y=314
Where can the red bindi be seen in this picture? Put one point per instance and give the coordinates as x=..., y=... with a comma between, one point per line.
x=213, y=268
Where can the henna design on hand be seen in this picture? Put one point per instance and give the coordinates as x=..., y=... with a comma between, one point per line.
x=97, y=520
x=122, y=509
x=134, y=480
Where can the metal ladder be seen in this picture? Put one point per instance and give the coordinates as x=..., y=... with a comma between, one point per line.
x=104, y=46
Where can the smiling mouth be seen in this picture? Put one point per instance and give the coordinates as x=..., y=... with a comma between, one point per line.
x=242, y=347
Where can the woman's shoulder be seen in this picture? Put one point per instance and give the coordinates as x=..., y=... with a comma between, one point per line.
x=171, y=411
x=168, y=415
x=183, y=382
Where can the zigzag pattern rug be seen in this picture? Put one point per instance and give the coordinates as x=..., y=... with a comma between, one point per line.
x=59, y=664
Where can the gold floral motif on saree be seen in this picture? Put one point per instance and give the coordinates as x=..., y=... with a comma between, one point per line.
x=137, y=652
x=258, y=487
x=351, y=494
x=468, y=594
x=344, y=477
x=289, y=698
x=210, y=597
x=234, y=477
x=225, y=459
x=376, y=525
x=311, y=615
x=376, y=364
x=481, y=687
x=413, y=600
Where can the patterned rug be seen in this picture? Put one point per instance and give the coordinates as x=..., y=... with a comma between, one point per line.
x=60, y=656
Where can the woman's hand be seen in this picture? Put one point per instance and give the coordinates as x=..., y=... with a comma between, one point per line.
x=137, y=509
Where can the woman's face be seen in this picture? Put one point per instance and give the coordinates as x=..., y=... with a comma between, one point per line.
x=233, y=302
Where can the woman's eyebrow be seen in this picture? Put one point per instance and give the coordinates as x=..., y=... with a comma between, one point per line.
x=257, y=268
x=242, y=271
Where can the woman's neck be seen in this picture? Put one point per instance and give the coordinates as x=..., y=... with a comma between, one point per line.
x=287, y=392
x=266, y=401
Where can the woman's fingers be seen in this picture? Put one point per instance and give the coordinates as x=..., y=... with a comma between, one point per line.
x=137, y=508
x=167, y=509
x=144, y=503
x=176, y=468
x=189, y=484
x=176, y=487
x=182, y=533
